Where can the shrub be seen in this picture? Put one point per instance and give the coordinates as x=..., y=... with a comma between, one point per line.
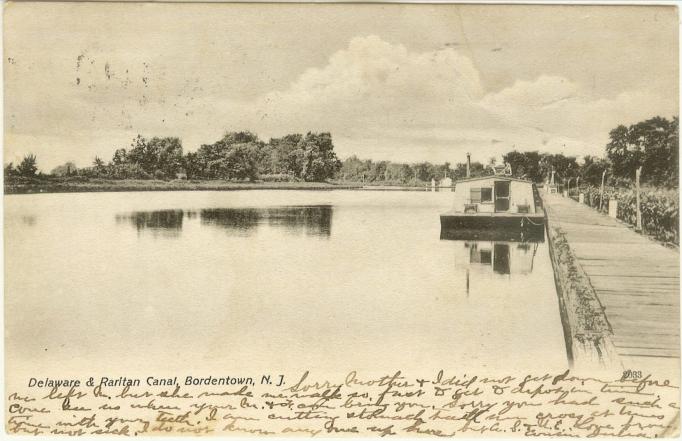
x=660, y=213
x=278, y=177
x=592, y=198
x=659, y=208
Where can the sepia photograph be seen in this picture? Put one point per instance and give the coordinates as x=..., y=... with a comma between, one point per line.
x=341, y=219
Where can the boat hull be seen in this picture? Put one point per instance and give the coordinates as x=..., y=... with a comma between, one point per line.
x=492, y=226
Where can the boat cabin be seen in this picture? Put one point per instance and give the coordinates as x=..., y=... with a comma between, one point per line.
x=493, y=207
x=494, y=194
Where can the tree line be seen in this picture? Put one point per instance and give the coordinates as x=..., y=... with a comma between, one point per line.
x=236, y=156
x=651, y=144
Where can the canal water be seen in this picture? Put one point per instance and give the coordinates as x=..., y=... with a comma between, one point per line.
x=326, y=280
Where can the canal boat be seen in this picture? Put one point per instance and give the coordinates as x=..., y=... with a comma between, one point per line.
x=494, y=206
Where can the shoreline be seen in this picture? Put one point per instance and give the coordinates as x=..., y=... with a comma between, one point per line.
x=114, y=186
x=587, y=331
x=132, y=185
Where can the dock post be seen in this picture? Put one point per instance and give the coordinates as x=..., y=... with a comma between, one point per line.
x=638, y=173
x=577, y=184
x=601, y=191
x=613, y=208
x=581, y=198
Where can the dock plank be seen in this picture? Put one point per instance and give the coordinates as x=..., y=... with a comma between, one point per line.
x=636, y=279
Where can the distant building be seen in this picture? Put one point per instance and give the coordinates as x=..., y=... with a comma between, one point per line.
x=445, y=182
x=181, y=175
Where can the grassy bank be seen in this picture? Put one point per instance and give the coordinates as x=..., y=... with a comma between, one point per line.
x=65, y=185
x=586, y=329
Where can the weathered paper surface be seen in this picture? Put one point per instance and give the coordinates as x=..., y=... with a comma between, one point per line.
x=394, y=404
x=313, y=313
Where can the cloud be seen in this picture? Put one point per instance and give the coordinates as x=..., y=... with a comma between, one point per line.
x=375, y=96
x=374, y=83
x=378, y=99
x=568, y=114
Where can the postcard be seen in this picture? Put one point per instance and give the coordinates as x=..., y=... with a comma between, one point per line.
x=341, y=219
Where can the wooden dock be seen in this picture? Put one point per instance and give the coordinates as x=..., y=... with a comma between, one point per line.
x=637, y=280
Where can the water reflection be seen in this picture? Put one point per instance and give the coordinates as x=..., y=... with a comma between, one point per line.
x=488, y=255
x=501, y=234
x=310, y=220
x=483, y=260
x=224, y=286
x=167, y=223
x=240, y=222
x=28, y=220
x=501, y=257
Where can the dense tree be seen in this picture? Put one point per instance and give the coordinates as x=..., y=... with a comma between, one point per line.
x=564, y=167
x=286, y=157
x=9, y=170
x=28, y=166
x=672, y=175
x=525, y=165
x=192, y=165
x=120, y=157
x=652, y=144
x=126, y=170
x=319, y=160
x=246, y=137
x=423, y=171
x=67, y=169
x=592, y=169
x=169, y=155
x=625, y=156
x=378, y=170
x=236, y=156
x=241, y=161
x=475, y=170
x=353, y=168
x=156, y=154
x=659, y=139
x=445, y=170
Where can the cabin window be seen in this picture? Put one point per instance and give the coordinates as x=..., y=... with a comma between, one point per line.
x=479, y=195
x=475, y=195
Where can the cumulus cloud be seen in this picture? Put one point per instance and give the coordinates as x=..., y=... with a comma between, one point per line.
x=374, y=82
x=378, y=97
x=379, y=100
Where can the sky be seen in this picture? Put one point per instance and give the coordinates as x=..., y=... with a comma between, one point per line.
x=405, y=83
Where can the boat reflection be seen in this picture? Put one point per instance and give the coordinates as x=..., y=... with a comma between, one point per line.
x=490, y=255
x=500, y=257
x=504, y=235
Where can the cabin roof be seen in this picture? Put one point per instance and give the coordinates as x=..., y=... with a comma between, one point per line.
x=495, y=177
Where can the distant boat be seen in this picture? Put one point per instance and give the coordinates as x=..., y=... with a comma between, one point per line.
x=497, y=204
